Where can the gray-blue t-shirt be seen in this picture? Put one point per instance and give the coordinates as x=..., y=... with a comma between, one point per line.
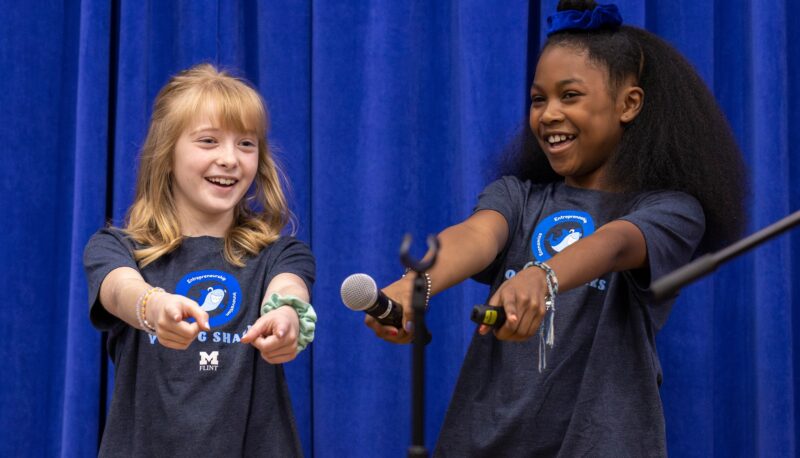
x=598, y=395
x=218, y=397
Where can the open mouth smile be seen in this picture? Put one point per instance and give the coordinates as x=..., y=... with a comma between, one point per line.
x=221, y=181
x=558, y=142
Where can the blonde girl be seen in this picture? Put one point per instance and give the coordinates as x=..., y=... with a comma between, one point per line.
x=202, y=296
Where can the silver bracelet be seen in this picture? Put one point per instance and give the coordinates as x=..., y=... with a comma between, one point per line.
x=428, y=284
x=547, y=333
x=552, y=280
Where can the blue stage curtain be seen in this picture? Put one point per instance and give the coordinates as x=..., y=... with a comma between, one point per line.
x=388, y=117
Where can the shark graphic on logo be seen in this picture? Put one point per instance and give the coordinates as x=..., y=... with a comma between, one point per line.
x=555, y=232
x=213, y=299
x=571, y=237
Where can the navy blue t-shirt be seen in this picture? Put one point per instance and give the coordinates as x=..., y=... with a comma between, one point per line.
x=218, y=397
x=598, y=395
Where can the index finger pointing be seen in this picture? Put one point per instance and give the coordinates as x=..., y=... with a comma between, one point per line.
x=191, y=309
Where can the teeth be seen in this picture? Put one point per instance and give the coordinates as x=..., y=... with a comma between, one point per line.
x=222, y=181
x=553, y=139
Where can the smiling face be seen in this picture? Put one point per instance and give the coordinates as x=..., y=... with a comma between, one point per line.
x=575, y=118
x=213, y=169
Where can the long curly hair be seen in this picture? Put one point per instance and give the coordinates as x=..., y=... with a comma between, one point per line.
x=152, y=219
x=680, y=140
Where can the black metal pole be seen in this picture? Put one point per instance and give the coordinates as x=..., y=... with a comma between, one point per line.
x=417, y=448
x=421, y=338
x=667, y=285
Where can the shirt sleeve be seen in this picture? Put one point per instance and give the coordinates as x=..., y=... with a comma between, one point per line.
x=505, y=196
x=106, y=250
x=673, y=224
x=294, y=257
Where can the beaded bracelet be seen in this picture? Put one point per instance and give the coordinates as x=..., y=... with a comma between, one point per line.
x=305, y=312
x=141, y=310
x=552, y=280
x=428, y=284
x=547, y=338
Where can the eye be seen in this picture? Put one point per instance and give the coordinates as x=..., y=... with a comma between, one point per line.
x=537, y=99
x=570, y=95
x=207, y=140
x=247, y=143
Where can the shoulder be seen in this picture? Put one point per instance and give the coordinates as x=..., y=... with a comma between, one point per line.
x=108, y=238
x=286, y=247
x=668, y=204
x=515, y=184
x=669, y=217
x=285, y=242
x=510, y=189
x=289, y=255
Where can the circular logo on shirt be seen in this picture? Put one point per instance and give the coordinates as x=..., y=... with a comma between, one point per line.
x=558, y=231
x=217, y=292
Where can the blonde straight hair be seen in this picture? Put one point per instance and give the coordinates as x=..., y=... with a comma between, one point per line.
x=230, y=102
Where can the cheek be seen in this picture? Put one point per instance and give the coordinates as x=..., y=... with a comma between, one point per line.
x=533, y=119
x=250, y=166
x=180, y=176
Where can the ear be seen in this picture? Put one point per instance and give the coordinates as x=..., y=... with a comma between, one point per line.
x=631, y=101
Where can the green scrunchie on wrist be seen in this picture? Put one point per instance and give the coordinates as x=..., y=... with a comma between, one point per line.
x=306, y=313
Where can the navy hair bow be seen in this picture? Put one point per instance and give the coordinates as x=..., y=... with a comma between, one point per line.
x=600, y=16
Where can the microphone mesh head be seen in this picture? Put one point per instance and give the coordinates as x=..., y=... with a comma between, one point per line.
x=359, y=292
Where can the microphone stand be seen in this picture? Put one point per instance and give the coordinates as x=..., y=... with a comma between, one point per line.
x=667, y=285
x=421, y=338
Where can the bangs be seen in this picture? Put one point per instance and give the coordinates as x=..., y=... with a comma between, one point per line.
x=237, y=108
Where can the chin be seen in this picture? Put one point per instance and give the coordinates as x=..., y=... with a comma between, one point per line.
x=218, y=209
x=561, y=169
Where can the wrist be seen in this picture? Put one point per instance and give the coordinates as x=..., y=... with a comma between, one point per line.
x=306, y=316
x=287, y=310
x=536, y=277
x=404, y=282
x=154, y=306
x=146, y=311
x=551, y=281
x=428, y=288
x=547, y=333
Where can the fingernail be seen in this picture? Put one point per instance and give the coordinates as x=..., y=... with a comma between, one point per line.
x=409, y=326
x=280, y=334
x=393, y=333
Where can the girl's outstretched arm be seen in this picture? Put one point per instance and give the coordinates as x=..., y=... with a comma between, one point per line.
x=124, y=288
x=616, y=246
x=466, y=249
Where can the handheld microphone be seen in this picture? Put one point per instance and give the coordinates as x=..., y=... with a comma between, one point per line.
x=489, y=315
x=360, y=293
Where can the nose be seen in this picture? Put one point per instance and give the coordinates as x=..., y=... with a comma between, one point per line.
x=551, y=114
x=226, y=156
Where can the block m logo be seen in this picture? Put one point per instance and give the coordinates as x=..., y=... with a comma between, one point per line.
x=209, y=358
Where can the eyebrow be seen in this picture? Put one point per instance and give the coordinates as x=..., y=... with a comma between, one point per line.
x=204, y=129
x=562, y=83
